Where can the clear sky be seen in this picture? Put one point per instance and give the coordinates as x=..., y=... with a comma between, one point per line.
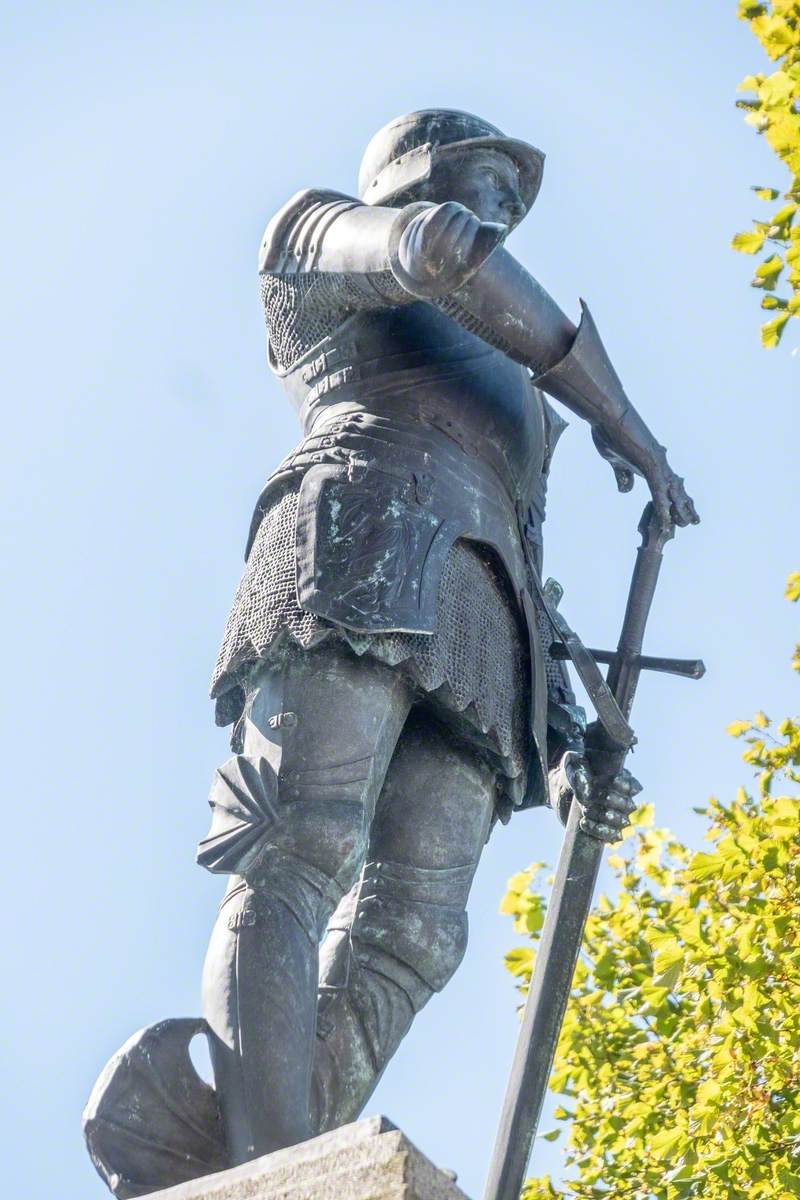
x=146, y=145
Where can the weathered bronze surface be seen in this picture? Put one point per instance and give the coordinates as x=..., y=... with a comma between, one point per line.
x=386, y=665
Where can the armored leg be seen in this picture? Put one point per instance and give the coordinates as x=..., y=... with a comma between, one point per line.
x=292, y=814
x=402, y=930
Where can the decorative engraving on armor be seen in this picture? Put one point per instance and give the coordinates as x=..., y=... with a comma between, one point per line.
x=377, y=552
x=329, y=382
x=320, y=364
x=246, y=917
x=282, y=719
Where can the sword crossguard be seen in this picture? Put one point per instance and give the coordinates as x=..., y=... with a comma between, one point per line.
x=687, y=668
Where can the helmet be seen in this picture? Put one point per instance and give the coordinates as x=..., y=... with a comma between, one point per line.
x=402, y=154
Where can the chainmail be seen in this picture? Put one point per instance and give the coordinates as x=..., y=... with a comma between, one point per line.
x=302, y=310
x=475, y=663
x=451, y=308
x=555, y=672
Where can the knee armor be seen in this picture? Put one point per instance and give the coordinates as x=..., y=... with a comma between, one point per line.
x=281, y=841
x=411, y=924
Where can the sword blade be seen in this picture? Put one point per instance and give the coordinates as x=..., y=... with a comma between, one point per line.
x=557, y=954
x=570, y=902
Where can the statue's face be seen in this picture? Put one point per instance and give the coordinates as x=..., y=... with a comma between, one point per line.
x=485, y=181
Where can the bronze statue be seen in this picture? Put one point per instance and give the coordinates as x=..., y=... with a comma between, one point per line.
x=386, y=664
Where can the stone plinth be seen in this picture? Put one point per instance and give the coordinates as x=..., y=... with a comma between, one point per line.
x=370, y=1160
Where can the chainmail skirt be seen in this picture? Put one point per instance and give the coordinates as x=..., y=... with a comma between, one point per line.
x=473, y=668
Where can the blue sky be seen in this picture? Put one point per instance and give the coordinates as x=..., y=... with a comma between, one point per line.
x=146, y=146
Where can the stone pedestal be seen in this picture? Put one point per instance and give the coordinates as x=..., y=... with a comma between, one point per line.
x=370, y=1160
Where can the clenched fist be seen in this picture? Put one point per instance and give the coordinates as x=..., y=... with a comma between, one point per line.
x=442, y=246
x=604, y=814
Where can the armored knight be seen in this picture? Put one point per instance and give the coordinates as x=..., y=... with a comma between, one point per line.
x=386, y=662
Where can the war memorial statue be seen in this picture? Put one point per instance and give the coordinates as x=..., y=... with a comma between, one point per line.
x=386, y=665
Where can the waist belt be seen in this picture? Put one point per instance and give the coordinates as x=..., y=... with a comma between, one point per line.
x=434, y=467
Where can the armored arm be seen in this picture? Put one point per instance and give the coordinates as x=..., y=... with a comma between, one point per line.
x=444, y=254
x=326, y=256
x=327, y=233
x=510, y=308
x=569, y=364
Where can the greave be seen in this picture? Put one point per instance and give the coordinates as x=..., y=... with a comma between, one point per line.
x=259, y=982
x=396, y=939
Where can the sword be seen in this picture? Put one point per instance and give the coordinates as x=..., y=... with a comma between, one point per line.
x=573, y=887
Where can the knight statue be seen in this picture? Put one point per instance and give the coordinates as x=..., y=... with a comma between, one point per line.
x=386, y=664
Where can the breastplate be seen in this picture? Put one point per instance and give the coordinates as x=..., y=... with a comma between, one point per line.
x=413, y=362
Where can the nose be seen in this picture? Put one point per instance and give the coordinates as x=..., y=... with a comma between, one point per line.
x=513, y=206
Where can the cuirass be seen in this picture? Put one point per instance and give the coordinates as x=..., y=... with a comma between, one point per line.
x=415, y=363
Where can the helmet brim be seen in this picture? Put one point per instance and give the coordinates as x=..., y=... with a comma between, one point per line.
x=414, y=167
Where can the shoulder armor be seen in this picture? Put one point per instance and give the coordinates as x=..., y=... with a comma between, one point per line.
x=288, y=237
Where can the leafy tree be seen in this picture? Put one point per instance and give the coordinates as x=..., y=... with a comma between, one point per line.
x=773, y=109
x=678, y=1067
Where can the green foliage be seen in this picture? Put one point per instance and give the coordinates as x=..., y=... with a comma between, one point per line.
x=773, y=109
x=678, y=1066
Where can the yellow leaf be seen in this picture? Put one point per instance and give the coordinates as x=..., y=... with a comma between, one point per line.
x=748, y=10
x=704, y=866
x=519, y=961
x=786, y=810
x=750, y=83
x=669, y=977
x=785, y=215
x=709, y=1090
x=737, y=728
x=772, y=332
x=644, y=816
x=749, y=243
x=761, y=720
x=666, y=1139
x=552, y=1135
x=793, y=586
x=768, y=272
x=777, y=88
